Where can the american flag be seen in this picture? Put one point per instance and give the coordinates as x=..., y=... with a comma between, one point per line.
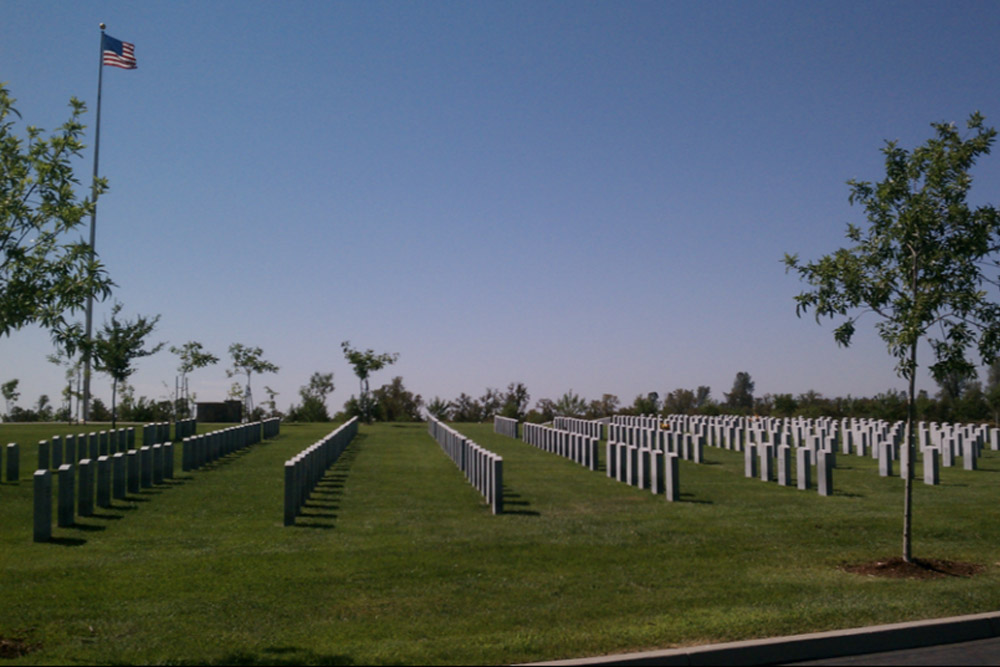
x=118, y=53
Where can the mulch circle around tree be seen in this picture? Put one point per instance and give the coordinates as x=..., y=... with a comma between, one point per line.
x=919, y=568
x=15, y=648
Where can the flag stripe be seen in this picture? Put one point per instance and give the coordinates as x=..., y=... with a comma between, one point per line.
x=117, y=53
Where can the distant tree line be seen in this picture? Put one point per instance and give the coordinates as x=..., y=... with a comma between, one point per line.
x=960, y=398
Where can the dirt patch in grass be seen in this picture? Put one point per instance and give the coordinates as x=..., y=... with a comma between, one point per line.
x=919, y=568
x=15, y=648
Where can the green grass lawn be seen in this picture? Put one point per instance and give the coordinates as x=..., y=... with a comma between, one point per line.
x=397, y=559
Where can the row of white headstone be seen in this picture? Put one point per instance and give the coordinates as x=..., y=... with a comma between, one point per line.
x=774, y=464
x=853, y=434
x=481, y=467
x=589, y=427
x=114, y=475
x=862, y=437
x=304, y=470
x=200, y=450
x=73, y=448
x=577, y=447
x=505, y=426
x=105, y=478
x=644, y=468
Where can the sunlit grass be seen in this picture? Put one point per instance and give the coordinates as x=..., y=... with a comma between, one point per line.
x=398, y=559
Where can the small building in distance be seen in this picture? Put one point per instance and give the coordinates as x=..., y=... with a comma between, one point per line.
x=226, y=412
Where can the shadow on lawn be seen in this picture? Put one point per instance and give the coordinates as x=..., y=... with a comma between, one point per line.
x=87, y=527
x=326, y=495
x=510, y=499
x=279, y=655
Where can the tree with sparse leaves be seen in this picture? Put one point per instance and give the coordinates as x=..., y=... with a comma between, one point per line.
x=364, y=364
x=192, y=356
x=44, y=275
x=313, y=408
x=10, y=393
x=918, y=267
x=247, y=361
x=515, y=401
x=116, y=347
x=570, y=404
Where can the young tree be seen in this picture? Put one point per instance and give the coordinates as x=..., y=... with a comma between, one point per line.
x=918, y=265
x=236, y=393
x=192, y=356
x=10, y=393
x=116, y=347
x=248, y=360
x=364, y=364
x=270, y=402
x=313, y=408
x=73, y=371
x=44, y=276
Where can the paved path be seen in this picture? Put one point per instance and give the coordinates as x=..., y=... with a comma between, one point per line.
x=979, y=652
x=958, y=640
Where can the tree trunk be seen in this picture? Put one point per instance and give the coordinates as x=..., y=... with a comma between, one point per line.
x=910, y=456
x=114, y=408
x=911, y=413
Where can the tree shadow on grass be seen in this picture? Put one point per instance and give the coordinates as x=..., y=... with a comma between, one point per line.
x=690, y=498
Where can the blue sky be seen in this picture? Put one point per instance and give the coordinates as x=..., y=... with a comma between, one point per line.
x=592, y=196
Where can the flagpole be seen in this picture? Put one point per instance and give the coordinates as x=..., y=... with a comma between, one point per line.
x=93, y=230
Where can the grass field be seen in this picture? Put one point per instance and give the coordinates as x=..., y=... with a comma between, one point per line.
x=397, y=559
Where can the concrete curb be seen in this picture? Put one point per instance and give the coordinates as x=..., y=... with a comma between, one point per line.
x=813, y=646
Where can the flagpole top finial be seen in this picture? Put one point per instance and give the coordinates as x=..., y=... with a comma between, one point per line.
x=102, y=26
